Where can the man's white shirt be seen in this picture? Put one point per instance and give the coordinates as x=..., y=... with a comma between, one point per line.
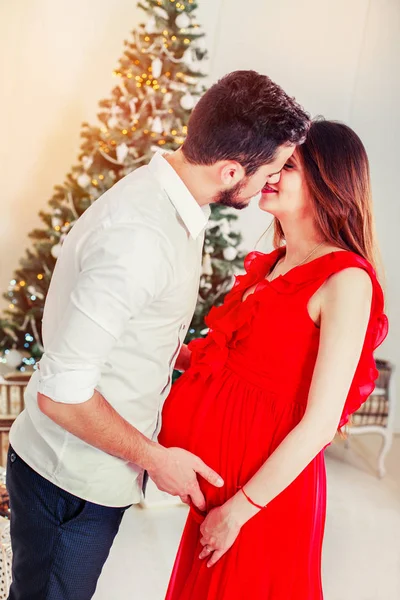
x=120, y=301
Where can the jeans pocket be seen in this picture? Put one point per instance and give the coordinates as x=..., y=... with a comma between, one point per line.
x=70, y=509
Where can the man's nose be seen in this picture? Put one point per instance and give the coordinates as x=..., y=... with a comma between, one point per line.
x=274, y=178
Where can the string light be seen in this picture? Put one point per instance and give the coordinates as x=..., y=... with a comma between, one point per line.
x=174, y=132
x=129, y=75
x=11, y=306
x=186, y=41
x=101, y=177
x=124, y=131
x=22, y=283
x=103, y=129
x=67, y=223
x=57, y=228
x=39, y=276
x=94, y=182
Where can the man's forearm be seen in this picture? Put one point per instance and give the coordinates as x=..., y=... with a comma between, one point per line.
x=98, y=424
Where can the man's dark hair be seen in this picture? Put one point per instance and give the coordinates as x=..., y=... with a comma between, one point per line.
x=243, y=117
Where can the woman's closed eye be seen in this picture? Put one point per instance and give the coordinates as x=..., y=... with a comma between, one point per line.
x=288, y=166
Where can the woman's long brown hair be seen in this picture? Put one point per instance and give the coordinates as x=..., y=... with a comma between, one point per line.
x=337, y=175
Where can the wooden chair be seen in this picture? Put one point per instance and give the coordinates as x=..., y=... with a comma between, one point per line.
x=376, y=415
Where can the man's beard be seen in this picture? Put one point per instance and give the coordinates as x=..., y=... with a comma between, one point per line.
x=232, y=198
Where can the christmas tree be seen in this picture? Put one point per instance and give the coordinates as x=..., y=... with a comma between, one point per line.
x=158, y=83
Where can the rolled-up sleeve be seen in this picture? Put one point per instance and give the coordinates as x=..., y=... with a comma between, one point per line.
x=121, y=271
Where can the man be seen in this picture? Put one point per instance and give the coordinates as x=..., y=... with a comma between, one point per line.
x=119, y=304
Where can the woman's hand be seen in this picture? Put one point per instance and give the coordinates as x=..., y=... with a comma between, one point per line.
x=222, y=526
x=183, y=360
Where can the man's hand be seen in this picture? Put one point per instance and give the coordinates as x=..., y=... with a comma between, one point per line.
x=175, y=471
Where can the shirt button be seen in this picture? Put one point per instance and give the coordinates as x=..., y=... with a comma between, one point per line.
x=13, y=457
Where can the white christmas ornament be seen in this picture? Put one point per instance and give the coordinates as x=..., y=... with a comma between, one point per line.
x=157, y=126
x=84, y=180
x=188, y=57
x=224, y=227
x=13, y=358
x=182, y=21
x=112, y=122
x=161, y=12
x=55, y=250
x=156, y=68
x=56, y=222
x=34, y=292
x=187, y=101
x=87, y=162
x=207, y=265
x=132, y=106
x=230, y=253
x=151, y=25
x=122, y=152
x=201, y=42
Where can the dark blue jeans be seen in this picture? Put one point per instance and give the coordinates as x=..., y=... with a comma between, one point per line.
x=60, y=542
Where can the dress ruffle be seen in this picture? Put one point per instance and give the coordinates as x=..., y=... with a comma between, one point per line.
x=232, y=321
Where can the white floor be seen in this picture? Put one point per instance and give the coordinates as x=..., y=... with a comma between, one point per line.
x=362, y=541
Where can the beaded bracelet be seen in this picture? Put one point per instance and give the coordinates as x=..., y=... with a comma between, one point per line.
x=250, y=500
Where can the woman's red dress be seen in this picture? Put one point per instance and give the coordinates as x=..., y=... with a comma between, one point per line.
x=246, y=389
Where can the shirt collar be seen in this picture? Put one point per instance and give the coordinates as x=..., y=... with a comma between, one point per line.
x=194, y=217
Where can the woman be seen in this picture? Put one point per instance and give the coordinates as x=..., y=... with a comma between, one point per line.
x=288, y=358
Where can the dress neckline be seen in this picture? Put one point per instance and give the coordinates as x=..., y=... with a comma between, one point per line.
x=291, y=276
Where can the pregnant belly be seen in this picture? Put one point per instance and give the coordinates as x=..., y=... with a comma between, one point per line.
x=231, y=425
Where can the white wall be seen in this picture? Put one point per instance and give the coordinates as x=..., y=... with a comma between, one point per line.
x=339, y=58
